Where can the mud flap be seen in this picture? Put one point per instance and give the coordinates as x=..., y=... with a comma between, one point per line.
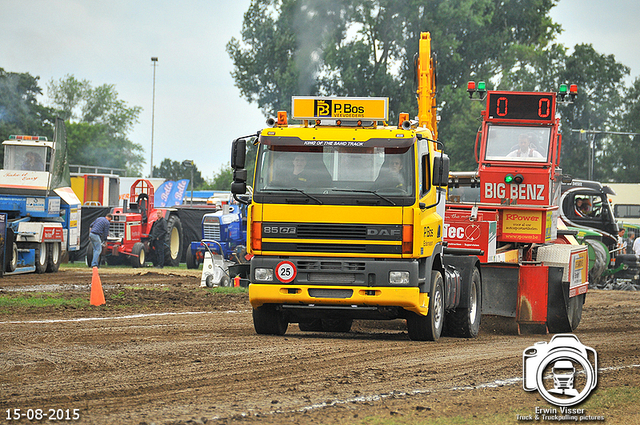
x=563, y=313
x=465, y=265
x=500, y=289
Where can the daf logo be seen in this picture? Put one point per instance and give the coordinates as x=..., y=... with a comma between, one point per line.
x=383, y=232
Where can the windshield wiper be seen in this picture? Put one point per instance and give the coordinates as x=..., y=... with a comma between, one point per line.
x=373, y=192
x=293, y=189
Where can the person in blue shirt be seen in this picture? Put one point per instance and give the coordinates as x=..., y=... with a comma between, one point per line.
x=98, y=233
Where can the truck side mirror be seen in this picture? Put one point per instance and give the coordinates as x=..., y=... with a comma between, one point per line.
x=238, y=153
x=238, y=188
x=441, y=170
x=240, y=175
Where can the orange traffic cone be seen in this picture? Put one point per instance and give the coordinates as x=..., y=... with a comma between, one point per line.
x=97, y=295
x=236, y=281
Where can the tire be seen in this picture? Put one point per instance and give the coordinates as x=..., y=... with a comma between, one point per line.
x=628, y=258
x=225, y=281
x=192, y=261
x=267, y=320
x=575, y=310
x=55, y=252
x=465, y=322
x=600, y=263
x=139, y=258
x=429, y=327
x=12, y=262
x=173, y=242
x=42, y=258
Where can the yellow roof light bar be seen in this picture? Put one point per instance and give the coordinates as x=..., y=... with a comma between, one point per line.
x=344, y=108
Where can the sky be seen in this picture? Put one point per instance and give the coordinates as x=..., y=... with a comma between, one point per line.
x=198, y=110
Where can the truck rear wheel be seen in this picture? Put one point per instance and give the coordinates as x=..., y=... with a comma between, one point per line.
x=173, y=242
x=465, y=322
x=55, y=252
x=41, y=258
x=139, y=257
x=267, y=320
x=429, y=327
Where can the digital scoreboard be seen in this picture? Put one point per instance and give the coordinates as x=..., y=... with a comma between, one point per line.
x=521, y=106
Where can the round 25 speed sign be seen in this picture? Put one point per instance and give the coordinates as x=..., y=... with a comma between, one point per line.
x=285, y=271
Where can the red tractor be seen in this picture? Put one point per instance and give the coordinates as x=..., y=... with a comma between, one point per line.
x=131, y=225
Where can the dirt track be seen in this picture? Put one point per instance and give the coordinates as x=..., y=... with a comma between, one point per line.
x=164, y=350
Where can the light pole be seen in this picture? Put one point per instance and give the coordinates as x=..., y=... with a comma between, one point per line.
x=592, y=143
x=190, y=164
x=154, y=61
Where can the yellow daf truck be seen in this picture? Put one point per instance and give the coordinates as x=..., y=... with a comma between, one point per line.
x=346, y=219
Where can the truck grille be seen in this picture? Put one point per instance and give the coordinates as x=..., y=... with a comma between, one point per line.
x=306, y=266
x=331, y=231
x=330, y=293
x=116, y=229
x=212, y=231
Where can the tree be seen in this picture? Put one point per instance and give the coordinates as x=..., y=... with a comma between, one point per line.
x=366, y=48
x=625, y=149
x=98, y=124
x=222, y=179
x=20, y=112
x=601, y=83
x=174, y=170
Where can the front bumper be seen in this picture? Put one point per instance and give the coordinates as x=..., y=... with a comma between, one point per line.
x=339, y=282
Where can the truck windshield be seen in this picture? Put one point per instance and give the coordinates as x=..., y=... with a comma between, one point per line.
x=342, y=173
x=511, y=143
x=25, y=158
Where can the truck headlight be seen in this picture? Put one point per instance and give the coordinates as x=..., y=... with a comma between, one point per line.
x=399, y=278
x=263, y=274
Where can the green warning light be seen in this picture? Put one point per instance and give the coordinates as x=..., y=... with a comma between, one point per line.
x=508, y=178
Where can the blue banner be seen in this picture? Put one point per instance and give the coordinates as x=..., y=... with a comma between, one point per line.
x=171, y=193
x=161, y=198
x=180, y=190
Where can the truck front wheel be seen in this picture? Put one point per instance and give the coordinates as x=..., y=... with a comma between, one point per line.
x=429, y=327
x=55, y=252
x=41, y=258
x=267, y=320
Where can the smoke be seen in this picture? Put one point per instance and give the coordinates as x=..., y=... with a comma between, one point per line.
x=316, y=23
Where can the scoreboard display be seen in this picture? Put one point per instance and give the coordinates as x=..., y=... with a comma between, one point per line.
x=521, y=106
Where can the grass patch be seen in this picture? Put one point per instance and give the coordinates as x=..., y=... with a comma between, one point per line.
x=228, y=290
x=41, y=300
